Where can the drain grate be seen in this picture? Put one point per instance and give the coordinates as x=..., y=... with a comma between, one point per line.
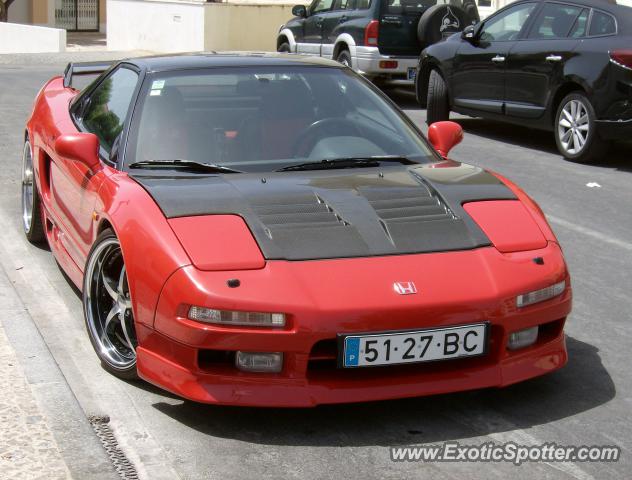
x=123, y=466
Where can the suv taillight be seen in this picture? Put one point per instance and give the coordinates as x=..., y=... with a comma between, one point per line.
x=371, y=33
x=622, y=58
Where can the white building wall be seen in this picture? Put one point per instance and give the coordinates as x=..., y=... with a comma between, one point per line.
x=17, y=38
x=160, y=26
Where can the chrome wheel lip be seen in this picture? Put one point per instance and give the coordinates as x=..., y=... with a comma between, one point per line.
x=573, y=127
x=108, y=307
x=27, y=187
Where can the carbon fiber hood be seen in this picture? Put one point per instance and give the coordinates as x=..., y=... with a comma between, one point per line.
x=339, y=213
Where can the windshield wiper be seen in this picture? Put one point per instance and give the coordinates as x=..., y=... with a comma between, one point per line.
x=184, y=165
x=347, y=162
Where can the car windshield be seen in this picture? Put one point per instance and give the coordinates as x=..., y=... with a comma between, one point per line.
x=266, y=119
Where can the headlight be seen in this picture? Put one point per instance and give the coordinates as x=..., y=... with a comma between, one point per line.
x=229, y=317
x=540, y=295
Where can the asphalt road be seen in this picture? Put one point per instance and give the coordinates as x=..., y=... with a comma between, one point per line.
x=586, y=403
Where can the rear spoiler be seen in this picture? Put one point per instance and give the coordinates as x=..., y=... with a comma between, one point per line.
x=84, y=68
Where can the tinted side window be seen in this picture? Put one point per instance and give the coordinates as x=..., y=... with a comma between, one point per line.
x=555, y=21
x=108, y=106
x=507, y=25
x=321, y=6
x=344, y=5
x=363, y=4
x=602, y=24
x=581, y=25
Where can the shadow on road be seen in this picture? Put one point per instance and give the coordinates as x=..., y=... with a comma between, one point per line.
x=403, y=97
x=582, y=385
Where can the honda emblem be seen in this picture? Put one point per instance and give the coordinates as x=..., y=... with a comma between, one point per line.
x=405, y=288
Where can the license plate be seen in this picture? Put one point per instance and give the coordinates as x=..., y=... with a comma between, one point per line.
x=412, y=73
x=414, y=346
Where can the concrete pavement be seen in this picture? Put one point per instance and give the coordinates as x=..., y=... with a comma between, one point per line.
x=28, y=449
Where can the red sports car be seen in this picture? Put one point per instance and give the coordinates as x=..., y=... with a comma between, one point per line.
x=271, y=230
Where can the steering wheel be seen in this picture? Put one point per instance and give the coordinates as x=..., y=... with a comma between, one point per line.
x=335, y=126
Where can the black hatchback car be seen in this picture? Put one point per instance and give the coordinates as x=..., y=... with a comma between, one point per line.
x=564, y=66
x=381, y=39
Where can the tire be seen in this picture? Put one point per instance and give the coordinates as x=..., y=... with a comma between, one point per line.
x=31, y=204
x=438, y=22
x=344, y=57
x=438, y=108
x=284, y=48
x=576, y=130
x=420, y=94
x=107, y=307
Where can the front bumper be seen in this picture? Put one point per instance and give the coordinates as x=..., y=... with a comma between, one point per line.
x=367, y=62
x=324, y=298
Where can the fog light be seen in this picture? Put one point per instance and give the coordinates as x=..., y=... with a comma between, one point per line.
x=388, y=64
x=259, y=362
x=541, y=295
x=228, y=317
x=522, y=338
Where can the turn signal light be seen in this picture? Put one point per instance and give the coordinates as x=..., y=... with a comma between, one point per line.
x=623, y=58
x=388, y=64
x=371, y=32
x=541, y=295
x=229, y=317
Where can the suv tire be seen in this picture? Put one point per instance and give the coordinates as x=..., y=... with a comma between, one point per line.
x=438, y=108
x=431, y=27
x=344, y=57
x=284, y=48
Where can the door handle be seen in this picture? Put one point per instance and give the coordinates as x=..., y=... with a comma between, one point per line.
x=343, y=19
x=319, y=22
x=554, y=58
x=498, y=59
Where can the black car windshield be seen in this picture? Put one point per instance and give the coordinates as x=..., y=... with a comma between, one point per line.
x=257, y=120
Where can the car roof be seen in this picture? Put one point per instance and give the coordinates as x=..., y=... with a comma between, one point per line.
x=186, y=61
x=616, y=7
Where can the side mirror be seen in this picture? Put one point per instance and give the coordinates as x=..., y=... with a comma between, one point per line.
x=444, y=136
x=471, y=32
x=79, y=147
x=299, y=11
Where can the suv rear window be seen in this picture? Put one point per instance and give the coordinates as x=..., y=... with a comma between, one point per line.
x=399, y=7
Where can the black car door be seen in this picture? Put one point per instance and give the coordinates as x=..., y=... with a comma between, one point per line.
x=313, y=27
x=536, y=64
x=478, y=78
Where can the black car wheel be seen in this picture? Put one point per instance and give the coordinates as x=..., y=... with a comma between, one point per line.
x=107, y=307
x=438, y=108
x=284, y=48
x=31, y=205
x=344, y=57
x=575, y=130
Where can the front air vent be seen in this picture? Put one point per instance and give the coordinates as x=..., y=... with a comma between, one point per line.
x=406, y=204
x=301, y=211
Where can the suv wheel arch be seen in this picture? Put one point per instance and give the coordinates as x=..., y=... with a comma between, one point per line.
x=286, y=36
